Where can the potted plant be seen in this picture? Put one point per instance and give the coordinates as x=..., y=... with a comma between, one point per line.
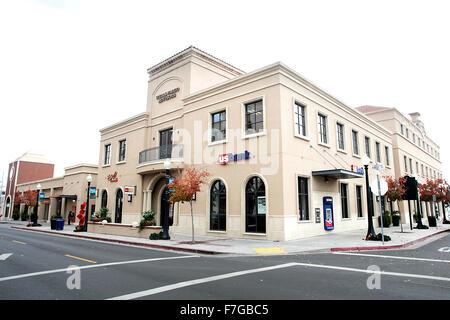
x=24, y=216
x=396, y=218
x=148, y=219
x=102, y=214
x=386, y=219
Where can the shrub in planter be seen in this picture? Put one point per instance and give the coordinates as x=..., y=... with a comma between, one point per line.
x=102, y=214
x=155, y=236
x=395, y=220
x=24, y=216
x=431, y=221
x=387, y=220
x=148, y=219
x=16, y=215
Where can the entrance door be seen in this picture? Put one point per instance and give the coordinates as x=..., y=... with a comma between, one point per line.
x=46, y=209
x=119, y=204
x=165, y=144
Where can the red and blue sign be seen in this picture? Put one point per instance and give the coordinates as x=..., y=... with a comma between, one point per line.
x=230, y=157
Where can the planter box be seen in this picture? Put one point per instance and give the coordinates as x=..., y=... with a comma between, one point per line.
x=431, y=221
x=126, y=230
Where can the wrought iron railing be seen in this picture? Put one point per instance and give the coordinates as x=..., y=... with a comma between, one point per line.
x=162, y=152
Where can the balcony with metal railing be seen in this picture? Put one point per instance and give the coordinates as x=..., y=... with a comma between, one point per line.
x=153, y=159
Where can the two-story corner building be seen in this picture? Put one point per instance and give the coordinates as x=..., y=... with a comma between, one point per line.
x=280, y=152
x=415, y=154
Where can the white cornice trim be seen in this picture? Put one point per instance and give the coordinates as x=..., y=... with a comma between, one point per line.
x=125, y=123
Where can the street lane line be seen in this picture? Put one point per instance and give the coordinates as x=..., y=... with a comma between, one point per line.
x=197, y=281
x=390, y=257
x=183, y=284
x=78, y=258
x=19, y=242
x=34, y=274
x=269, y=250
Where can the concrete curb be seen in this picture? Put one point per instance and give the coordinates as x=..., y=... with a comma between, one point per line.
x=158, y=246
x=397, y=246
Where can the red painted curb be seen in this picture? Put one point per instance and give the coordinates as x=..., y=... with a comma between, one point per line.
x=122, y=241
x=397, y=246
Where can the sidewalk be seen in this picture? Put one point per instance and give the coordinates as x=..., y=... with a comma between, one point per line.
x=343, y=241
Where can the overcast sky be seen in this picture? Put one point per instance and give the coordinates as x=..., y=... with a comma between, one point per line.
x=69, y=68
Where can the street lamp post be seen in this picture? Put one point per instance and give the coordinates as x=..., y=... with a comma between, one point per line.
x=165, y=209
x=419, y=207
x=35, y=218
x=89, y=180
x=370, y=229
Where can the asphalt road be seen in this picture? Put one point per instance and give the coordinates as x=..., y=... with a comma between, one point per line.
x=38, y=269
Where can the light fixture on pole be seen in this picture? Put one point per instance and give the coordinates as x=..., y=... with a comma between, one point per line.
x=89, y=180
x=165, y=207
x=370, y=230
x=35, y=216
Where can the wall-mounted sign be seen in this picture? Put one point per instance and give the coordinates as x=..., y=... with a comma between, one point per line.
x=129, y=190
x=92, y=192
x=113, y=177
x=41, y=197
x=167, y=95
x=229, y=157
x=357, y=169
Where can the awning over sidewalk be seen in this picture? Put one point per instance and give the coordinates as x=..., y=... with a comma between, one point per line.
x=71, y=196
x=338, y=174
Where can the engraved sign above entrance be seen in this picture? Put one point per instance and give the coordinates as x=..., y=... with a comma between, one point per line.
x=167, y=95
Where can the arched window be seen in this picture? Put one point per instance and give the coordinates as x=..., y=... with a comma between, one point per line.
x=104, y=202
x=255, y=206
x=218, y=206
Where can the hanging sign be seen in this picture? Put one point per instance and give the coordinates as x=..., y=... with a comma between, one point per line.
x=41, y=197
x=92, y=192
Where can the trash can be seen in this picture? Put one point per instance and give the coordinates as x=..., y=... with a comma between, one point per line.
x=53, y=224
x=59, y=224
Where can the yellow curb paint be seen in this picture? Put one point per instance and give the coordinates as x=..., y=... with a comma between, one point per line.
x=269, y=250
x=73, y=257
x=19, y=242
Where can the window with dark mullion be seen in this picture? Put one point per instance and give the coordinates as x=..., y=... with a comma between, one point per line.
x=254, y=120
x=219, y=126
x=322, y=128
x=300, y=122
x=344, y=200
x=340, y=136
x=122, y=150
x=303, y=199
x=107, y=159
x=359, y=201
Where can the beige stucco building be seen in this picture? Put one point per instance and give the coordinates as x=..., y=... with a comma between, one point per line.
x=415, y=154
x=60, y=195
x=274, y=144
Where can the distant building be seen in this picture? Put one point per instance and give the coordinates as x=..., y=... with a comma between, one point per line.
x=29, y=167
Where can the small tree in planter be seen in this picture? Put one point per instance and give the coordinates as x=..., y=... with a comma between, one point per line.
x=427, y=190
x=148, y=219
x=444, y=196
x=186, y=186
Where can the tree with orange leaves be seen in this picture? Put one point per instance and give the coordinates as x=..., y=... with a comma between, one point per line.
x=185, y=186
x=432, y=188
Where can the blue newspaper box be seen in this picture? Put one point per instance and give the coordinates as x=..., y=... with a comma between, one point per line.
x=328, y=218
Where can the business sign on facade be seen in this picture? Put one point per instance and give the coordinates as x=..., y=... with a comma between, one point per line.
x=41, y=197
x=167, y=95
x=229, y=157
x=129, y=190
x=357, y=169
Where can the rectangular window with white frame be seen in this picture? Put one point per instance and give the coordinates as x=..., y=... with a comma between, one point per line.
x=378, y=151
x=386, y=152
x=254, y=117
x=303, y=202
x=300, y=119
x=218, y=126
x=122, y=150
x=340, y=136
x=322, y=128
x=107, y=155
x=344, y=200
x=367, y=144
x=355, y=142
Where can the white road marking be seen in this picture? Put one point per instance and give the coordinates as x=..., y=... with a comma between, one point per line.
x=197, y=281
x=444, y=249
x=390, y=257
x=183, y=284
x=5, y=256
x=34, y=274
